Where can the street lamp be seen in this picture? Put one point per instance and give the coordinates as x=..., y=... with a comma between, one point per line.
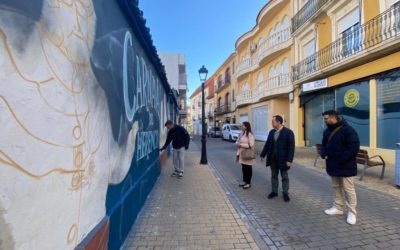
x=203, y=77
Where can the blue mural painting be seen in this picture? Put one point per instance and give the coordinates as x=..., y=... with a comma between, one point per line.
x=84, y=82
x=135, y=93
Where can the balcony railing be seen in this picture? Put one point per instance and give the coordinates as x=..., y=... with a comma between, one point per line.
x=244, y=97
x=273, y=42
x=227, y=78
x=247, y=65
x=370, y=35
x=277, y=85
x=223, y=109
x=220, y=83
x=307, y=12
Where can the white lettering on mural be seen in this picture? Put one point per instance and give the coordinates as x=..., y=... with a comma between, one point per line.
x=147, y=93
x=129, y=111
x=147, y=142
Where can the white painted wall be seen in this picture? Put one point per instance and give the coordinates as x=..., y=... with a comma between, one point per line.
x=57, y=154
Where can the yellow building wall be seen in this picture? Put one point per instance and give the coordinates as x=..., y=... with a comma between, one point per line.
x=278, y=59
x=297, y=121
x=382, y=64
x=324, y=31
x=242, y=111
x=264, y=28
x=280, y=106
x=370, y=9
x=277, y=18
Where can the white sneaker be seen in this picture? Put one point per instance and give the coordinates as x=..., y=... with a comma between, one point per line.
x=351, y=218
x=333, y=211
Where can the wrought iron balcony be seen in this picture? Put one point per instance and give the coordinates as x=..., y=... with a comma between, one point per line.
x=370, y=37
x=309, y=10
x=223, y=109
x=227, y=78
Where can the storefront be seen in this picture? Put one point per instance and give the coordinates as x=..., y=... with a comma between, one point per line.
x=388, y=109
x=370, y=105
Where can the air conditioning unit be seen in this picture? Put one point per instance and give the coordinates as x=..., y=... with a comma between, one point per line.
x=253, y=48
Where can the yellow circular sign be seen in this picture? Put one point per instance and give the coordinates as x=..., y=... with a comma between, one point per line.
x=351, y=98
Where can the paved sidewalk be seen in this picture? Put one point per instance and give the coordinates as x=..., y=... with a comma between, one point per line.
x=189, y=213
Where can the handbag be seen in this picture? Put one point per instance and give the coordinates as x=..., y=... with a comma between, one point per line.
x=248, y=153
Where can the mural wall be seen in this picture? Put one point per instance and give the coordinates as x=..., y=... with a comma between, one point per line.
x=82, y=109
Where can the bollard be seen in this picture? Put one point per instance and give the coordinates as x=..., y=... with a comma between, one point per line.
x=397, y=166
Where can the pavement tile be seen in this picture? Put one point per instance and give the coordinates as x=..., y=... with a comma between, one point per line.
x=192, y=212
x=302, y=222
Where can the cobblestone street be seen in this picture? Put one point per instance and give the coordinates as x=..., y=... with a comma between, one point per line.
x=302, y=224
x=195, y=213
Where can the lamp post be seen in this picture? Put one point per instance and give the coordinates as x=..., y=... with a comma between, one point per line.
x=203, y=76
x=215, y=122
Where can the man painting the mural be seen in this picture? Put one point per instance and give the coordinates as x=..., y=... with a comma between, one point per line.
x=180, y=138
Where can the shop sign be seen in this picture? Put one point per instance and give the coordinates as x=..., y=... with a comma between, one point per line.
x=351, y=98
x=319, y=84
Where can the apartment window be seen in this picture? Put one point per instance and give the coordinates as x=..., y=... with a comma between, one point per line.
x=260, y=78
x=348, y=28
x=389, y=3
x=309, y=49
x=302, y=3
x=182, y=68
x=309, y=56
x=388, y=101
x=233, y=67
x=227, y=99
x=349, y=20
x=228, y=75
x=245, y=86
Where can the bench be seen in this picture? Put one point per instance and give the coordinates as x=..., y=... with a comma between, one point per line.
x=370, y=161
x=362, y=158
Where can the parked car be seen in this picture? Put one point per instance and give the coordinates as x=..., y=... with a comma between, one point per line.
x=231, y=132
x=214, y=132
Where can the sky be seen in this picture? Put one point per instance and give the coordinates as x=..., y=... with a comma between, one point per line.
x=205, y=31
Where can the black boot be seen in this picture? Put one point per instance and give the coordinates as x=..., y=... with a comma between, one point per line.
x=286, y=198
x=272, y=195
